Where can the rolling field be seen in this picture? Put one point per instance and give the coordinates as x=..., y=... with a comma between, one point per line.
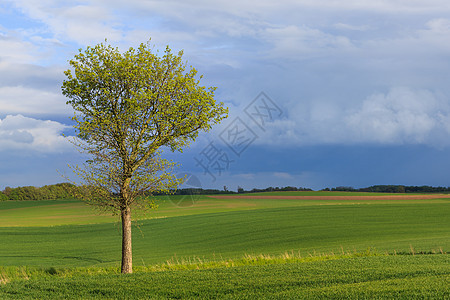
x=73, y=212
x=393, y=277
x=68, y=234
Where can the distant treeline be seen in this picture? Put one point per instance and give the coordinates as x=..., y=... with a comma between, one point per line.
x=200, y=191
x=66, y=191
x=370, y=189
x=275, y=189
x=47, y=192
x=393, y=189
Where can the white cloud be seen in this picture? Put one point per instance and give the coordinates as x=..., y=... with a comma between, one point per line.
x=15, y=74
x=15, y=49
x=435, y=35
x=27, y=134
x=265, y=33
x=295, y=42
x=237, y=29
x=401, y=116
x=83, y=23
x=439, y=25
x=344, y=26
x=381, y=6
x=31, y=101
x=185, y=10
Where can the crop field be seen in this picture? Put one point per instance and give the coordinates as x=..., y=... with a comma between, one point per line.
x=399, y=277
x=74, y=251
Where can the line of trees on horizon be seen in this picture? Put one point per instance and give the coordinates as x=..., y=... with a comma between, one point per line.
x=61, y=191
x=392, y=189
x=57, y=191
x=201, y=191
x=66, y=190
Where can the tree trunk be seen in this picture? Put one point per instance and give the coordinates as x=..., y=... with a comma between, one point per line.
x=127, y=256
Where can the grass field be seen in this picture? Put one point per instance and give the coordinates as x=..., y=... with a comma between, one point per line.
x=399, y=277
x=73, y=212
x=323, y=193
x=227, y=229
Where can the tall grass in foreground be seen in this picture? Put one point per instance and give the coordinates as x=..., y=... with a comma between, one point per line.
x=14, y=273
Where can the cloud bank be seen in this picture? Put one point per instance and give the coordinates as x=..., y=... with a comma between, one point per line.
x=27, y=134
x=400, y=116
x=344, y=73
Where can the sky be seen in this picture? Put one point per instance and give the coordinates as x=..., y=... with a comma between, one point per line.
x=320, y=93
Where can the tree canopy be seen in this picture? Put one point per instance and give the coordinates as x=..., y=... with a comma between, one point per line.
x=128, y=106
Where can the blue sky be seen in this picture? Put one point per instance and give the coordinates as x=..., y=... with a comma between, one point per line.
x=321, y=93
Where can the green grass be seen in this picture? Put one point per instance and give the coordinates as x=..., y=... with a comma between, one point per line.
x=73, y=212
x=79, y=258
x=49, y=213
x=324, y=193
x=386, y=277
x=315, y=193
x=321, y=228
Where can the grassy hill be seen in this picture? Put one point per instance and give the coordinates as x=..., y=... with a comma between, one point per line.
x=58, y=235
x=392, y=277
x=224, y=228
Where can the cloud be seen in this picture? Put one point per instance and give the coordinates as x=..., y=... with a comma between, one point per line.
x=302, y=41
x=83, y=23
x=403, y=116
x=31, y=101
x=383, y=6
x=296, y=46
x=439, y=25
x=13, y=74
x=13, y=48
x=344, y=26
x=225, y=31
x=27, y=134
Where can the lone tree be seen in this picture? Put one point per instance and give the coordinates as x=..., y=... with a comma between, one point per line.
x=128, y=107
